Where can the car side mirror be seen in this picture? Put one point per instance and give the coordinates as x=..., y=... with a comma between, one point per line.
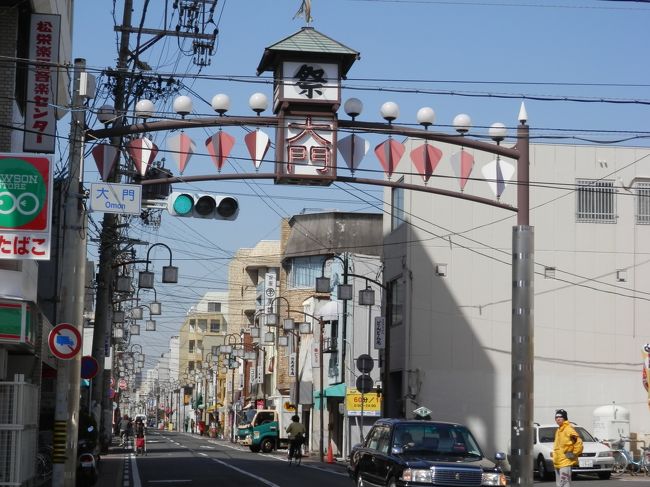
x=500, y=456
x=397, y=450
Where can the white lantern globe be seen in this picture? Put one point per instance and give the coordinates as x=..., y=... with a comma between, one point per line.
x=220, y=103
x=462, y=123
x=498, y=131
x=389, y=111
x=182, y=105
x=426, y=116
x=258, y=102
x=144, y=109
x=353, y=107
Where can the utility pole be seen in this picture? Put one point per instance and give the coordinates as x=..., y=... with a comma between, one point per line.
x=103, y=306
x=72, y=252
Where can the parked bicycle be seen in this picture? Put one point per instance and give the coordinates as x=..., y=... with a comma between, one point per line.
x=624, y=459
x=44, y=463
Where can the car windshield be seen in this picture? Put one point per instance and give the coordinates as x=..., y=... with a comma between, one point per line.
x=247, y=416
x=547, y=434
x=437, y=438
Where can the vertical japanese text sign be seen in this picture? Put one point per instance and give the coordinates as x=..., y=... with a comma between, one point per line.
x=42, y=75
x=25, y=206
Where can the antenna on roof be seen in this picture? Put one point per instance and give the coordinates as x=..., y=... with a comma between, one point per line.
x=305, y=10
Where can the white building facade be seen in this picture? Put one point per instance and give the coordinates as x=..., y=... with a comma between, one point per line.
x=450, y=263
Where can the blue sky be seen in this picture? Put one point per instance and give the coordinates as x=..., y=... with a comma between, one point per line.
x=476, y=57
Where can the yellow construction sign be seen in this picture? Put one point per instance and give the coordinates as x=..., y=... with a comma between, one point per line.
x=371, y=402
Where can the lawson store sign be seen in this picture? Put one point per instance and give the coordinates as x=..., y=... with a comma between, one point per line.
x=25, y=206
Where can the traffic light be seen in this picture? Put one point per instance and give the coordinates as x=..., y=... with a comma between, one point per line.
x=200, y=205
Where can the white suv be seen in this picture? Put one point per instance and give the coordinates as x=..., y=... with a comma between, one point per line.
x=596, y=458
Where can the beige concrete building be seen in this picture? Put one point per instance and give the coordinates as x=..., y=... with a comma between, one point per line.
x=205, y=328
x=449, y=261
x=274, y=282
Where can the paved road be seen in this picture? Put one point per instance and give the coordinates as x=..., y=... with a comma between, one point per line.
x=180, y=459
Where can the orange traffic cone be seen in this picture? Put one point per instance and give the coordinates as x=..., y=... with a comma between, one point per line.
x=330, y=453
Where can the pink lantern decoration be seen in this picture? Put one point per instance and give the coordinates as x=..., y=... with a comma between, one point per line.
x=389, y=153
x=181, y=148
x=462, y=162
x=353, y=148
x=258, y=144
x=219, y=147
x=143, y=152
x=105, y=156
x=425, y=159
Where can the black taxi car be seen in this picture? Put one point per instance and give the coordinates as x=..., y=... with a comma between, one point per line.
x=401, y=452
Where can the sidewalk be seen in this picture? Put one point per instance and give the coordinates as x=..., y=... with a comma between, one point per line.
x=111, y=467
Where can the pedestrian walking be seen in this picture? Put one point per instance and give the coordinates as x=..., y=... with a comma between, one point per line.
x=192, y=425
x=566, y=449
x=186, y=424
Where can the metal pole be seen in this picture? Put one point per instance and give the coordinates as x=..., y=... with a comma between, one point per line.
x=102, y=332
x=522, y=404
x=345, y=316
x=72, y=254
x=297, y=370
x=387, y=409
x=322, y=399
x=232, y=405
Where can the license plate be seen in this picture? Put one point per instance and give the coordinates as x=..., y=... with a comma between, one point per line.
x=585, y=462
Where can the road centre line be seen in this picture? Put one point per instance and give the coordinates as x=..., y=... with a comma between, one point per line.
x=136, y=473
x=261, y=479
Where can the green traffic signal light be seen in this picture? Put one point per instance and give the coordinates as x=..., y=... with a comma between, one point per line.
x=183, y=204
x=197, y=205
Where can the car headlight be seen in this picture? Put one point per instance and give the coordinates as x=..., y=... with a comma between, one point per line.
x=607, y=453
x=493, y=478
x=416, y=475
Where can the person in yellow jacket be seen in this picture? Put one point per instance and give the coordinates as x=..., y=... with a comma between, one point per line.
x=566, y=449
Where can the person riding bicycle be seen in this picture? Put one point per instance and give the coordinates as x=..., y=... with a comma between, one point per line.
x=125, y=426
x=296, y=433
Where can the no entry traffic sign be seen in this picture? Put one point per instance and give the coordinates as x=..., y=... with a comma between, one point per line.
x=64, y=341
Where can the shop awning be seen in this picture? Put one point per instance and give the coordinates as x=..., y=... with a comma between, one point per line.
x=337, y=390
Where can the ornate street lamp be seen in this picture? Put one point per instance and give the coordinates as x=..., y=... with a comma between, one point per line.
x=169, y=275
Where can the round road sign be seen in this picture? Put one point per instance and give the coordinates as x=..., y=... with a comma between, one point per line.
x=364, y=384
x=89, y=367
x=64, y=341
x=365, y=363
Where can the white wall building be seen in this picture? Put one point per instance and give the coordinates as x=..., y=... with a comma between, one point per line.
x=451, y=265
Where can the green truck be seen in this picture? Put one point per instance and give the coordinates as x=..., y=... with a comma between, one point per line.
x=266, y=431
